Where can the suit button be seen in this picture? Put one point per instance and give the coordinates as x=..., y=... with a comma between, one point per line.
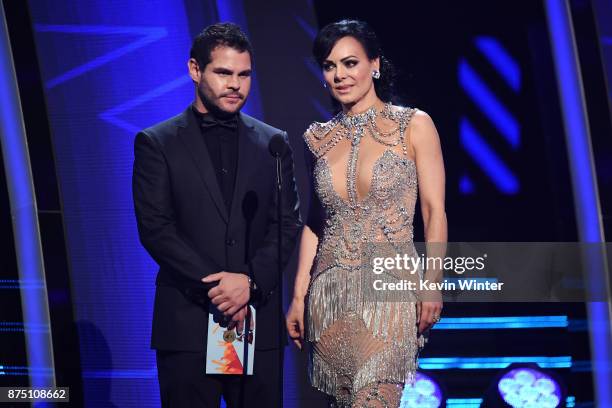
x=230, y=242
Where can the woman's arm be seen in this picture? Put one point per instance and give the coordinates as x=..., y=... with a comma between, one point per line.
x=295, y=315
x=430, y=171
x=308, y=250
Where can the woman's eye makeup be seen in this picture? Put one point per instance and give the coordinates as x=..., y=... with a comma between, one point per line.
x=327, y=66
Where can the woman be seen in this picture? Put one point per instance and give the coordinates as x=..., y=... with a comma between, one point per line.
x=366, y=162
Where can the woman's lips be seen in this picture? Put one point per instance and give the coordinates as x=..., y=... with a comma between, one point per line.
x=343, y=89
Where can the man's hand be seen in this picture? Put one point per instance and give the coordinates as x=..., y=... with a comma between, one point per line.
x=238, y=320
x=232, y=292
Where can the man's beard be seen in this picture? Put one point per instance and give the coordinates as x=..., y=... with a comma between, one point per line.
x=214, y=109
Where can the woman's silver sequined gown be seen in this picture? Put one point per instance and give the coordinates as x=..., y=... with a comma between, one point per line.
x=364, y=346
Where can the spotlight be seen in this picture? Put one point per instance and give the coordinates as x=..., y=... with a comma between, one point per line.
x=425, y=392
x=525, y=386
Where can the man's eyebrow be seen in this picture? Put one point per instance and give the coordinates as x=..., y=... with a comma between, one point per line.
x=222, y=70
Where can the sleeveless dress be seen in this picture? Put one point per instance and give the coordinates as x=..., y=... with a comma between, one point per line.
x=363, y=343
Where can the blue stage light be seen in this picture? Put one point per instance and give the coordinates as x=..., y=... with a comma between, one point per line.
x=584, y=183
x=529, y=387
x=502, y=322
x=490, y=162
x=424, y=392
x=483, y=363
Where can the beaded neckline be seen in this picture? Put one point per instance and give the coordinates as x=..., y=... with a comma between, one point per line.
x=359, y=119
x=352, y=127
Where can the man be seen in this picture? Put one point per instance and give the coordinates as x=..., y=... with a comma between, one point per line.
x=204, y=189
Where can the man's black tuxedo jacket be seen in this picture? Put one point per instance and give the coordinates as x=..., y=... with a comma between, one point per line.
x=185, y=226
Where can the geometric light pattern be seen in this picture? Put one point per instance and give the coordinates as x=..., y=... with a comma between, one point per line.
x=529, y=388
x=478, y=142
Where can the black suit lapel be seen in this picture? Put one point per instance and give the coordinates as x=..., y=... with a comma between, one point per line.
x=248, y=155
x=191, y=135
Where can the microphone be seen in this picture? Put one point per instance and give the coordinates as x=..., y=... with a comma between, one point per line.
x=277, y=145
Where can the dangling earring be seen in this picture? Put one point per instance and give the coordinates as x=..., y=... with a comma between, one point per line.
x=324, y=84
x=376, y=74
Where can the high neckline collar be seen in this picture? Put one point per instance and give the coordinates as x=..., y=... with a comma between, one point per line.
x=351, y=120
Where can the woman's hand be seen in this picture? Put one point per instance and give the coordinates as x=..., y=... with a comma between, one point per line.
x=295, y=322
x=428, y=314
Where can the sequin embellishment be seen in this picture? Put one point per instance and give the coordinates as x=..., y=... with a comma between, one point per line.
x=357, y=341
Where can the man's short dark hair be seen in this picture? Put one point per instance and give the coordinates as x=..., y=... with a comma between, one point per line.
x=215, y=35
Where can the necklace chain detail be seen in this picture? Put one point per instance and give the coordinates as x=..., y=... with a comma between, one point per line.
x=353, y=127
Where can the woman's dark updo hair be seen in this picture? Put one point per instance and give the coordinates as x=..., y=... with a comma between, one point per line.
x=329, y=35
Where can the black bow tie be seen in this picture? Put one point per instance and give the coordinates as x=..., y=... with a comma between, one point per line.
x=209, y=121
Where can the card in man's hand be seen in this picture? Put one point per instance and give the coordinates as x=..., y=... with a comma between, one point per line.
x=225, y=348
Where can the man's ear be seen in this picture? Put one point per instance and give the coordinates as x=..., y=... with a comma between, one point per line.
x=194, y=70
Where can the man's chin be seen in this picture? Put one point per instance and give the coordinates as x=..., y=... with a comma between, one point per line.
x=230, y=109
x=223, y=109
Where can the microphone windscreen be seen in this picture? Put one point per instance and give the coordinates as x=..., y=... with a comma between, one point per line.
x=277, y=145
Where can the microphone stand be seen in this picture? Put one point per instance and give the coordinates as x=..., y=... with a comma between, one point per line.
x=249, y=208
x=279, y=271
x=277, y=146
